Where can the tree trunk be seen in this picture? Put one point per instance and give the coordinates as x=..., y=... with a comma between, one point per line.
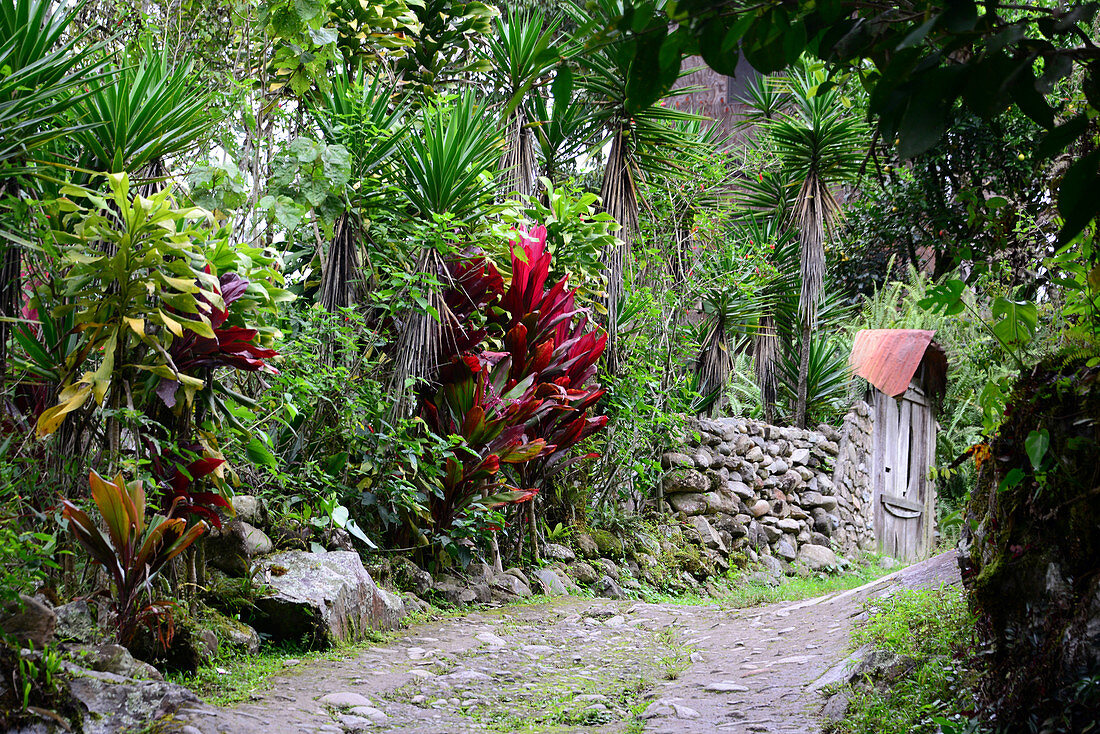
x=620, y=200
x=803, y=376
x=534, y=532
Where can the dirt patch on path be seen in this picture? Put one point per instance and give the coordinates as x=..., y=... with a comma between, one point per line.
x=578, y=665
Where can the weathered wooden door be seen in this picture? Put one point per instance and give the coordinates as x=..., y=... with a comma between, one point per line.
x=904, y=448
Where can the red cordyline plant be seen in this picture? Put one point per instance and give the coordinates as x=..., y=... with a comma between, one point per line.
x=182, y=479
x=132, y=552
x=551, y=340
x=231, y=346
x=527, y=405
x=193, y=354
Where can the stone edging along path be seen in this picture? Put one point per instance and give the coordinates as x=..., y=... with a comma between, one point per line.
x=580, y=665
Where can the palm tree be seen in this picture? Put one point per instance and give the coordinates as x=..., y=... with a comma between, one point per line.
x=361, y=115
x=644, y=141
x=520, y=56
x=819, y=145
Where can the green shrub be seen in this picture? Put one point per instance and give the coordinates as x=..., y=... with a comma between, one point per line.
x=931, y=629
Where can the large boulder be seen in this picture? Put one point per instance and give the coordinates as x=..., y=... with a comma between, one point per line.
x=111, y=658
x=607, y=544
x=707, y=534
x=818, y=557
x=75, y=622
x=608, y=588
x=586, y=545
x=584, y=573
x=507, y=586
x=234, y=547
x=328, y=597
x=556, y=552
x=549, y=583
x=115, y=703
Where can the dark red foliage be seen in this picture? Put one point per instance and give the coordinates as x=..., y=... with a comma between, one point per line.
x=232, y=346
x=181, y=480
x=527, y=405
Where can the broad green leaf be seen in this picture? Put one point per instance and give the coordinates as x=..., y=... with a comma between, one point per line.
x=1036, y=444
x=947, y=298
x=1016, y=320
x=258, y=453
x=1011, y=480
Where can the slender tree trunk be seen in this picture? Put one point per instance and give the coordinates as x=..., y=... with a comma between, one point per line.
x=517, y=165
x=534, y=532
x=803, y=376
x=765, y=348
x=620, y=200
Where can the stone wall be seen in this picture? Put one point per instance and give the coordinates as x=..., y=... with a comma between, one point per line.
x=775, y=492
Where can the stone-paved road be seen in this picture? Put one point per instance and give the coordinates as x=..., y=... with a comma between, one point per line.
x=579, y=665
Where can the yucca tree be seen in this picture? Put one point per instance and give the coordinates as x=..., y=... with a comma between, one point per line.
x=447, y=166
x=819, y=144
x=561, y=134
x=445, y=159
x=644, y=141
x=150, y=110
x=46, y=70
x=361, y=114
x=521, y=53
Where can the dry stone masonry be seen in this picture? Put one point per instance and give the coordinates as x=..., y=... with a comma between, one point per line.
x=783, y=493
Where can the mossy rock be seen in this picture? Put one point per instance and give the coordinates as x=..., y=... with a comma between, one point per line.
x=231, y=633
x=1035, y=556
x=608, y=545
x=586, y=545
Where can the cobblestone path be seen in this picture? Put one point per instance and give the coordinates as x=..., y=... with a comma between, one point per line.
x=579, y=665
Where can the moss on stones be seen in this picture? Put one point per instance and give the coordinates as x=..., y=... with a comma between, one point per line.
x=609, y=545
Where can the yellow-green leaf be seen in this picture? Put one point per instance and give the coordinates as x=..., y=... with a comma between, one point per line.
x=72, y=398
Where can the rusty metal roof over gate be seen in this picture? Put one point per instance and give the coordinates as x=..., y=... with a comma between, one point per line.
x=889, y=358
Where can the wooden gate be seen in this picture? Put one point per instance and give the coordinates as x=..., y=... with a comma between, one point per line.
x=904, y=449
